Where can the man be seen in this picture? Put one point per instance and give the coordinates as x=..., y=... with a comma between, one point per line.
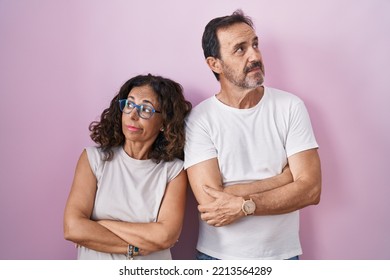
x=241, y=146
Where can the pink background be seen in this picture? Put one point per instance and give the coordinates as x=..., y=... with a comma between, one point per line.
x=61, y=62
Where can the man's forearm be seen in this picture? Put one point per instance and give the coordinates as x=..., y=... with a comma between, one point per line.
x=286, y=199
x=259, y=186
x=304, y=191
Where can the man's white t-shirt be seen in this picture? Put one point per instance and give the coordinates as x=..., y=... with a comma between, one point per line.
x=250, y=144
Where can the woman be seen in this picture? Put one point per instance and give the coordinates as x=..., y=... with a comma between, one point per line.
x=128, y=194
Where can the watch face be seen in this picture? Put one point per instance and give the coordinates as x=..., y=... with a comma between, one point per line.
x=249, y=207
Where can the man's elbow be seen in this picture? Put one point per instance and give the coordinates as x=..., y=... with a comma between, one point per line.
x=315, y=194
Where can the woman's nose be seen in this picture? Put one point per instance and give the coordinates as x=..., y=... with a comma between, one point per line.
x=134, y=114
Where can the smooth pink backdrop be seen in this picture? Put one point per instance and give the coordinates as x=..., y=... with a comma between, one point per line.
x=61, y=62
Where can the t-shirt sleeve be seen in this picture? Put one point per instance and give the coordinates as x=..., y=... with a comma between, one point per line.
x=199, y=145
x=95, y=160
x=175, y=169
x=300, y=136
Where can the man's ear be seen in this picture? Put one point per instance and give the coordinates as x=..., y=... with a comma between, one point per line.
x=214, y=64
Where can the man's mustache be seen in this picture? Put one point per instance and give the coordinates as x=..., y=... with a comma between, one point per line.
x=253, y=65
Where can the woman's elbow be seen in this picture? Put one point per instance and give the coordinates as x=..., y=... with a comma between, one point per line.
x=70, y=230
x=68, y=234
x=167, y=240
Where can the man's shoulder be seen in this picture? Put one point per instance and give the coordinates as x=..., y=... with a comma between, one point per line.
x=203, y=107
x=281, y=95
x=204, y=103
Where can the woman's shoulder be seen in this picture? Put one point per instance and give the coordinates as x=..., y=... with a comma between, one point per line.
x=174, y=168
x=93, y=152
x=173, y=163
x=98, y=153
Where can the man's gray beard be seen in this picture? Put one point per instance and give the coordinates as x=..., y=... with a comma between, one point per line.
x=253, y=83
x=246, y=83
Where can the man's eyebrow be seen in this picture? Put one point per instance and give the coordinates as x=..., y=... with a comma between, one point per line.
x=243, y=43
x=238, y=45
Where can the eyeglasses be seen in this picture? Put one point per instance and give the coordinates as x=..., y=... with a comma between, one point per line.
x=144, y=111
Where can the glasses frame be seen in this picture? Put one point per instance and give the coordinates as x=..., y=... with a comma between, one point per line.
x=137, y=107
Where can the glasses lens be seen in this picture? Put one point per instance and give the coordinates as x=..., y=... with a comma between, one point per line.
x=122, y=103
x=126, y=106
x=145, y=111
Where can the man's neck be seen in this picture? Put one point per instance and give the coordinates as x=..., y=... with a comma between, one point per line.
x=241, y=98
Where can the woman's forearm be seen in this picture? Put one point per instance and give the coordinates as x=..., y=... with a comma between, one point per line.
x=147, y=236
x=94, y=236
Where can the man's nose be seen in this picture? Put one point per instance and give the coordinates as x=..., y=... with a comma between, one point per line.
x=254, y=54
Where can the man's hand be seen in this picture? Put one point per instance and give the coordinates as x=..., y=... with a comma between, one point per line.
x=224, y=210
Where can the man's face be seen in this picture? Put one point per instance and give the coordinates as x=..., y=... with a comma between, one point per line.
x=241, y=61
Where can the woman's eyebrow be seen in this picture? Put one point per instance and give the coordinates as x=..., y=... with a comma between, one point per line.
x=147, y=101
x=143, y=101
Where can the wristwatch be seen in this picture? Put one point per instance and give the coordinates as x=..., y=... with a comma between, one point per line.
x=248, y=207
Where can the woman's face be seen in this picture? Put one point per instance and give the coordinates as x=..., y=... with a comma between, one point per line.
x=137, y=129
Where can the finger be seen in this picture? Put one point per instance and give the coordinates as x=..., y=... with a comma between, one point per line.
x=206, y=208
x=212, y=222
x=216, y=223
x=143, y=252
x=213, y=219
x=207, y=216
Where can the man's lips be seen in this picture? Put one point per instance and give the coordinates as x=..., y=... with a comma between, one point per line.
x=254, y=69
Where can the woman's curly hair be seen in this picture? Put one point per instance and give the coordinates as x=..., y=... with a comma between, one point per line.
x=169, y=144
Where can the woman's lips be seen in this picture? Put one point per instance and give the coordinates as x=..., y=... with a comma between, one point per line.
x=133, y=128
